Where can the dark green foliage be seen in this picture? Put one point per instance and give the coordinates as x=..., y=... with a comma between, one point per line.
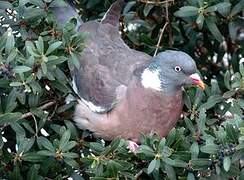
x=35, y=79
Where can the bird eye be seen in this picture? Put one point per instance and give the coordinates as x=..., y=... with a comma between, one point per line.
x=177, y=68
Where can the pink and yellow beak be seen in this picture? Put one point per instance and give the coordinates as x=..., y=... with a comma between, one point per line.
x=197, y=81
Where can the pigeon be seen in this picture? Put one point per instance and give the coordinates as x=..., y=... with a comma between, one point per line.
x=124, y=92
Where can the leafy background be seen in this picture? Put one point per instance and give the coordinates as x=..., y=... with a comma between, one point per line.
x=38, y=138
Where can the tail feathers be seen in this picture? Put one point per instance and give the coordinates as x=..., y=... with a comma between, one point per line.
x=66, y=13
x=113, y=14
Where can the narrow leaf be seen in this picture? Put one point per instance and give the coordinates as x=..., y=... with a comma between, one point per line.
x=214, y=30
x=53, y=47
x=227, y=163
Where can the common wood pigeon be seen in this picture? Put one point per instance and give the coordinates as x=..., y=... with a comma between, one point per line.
x=124, y=92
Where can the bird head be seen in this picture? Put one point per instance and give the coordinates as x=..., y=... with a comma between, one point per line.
x=169, y=71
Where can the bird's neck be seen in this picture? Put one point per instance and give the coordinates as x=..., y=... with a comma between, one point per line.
x=152, y=79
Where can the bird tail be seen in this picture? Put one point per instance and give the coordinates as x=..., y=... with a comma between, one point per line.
x=66, y=13
x=113, y=14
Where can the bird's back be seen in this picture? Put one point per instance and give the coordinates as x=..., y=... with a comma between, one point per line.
x=106, y=63
x=105, y=47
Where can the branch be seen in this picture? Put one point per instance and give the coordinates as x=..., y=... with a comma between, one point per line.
x=138, y=174
x=156, y=2
x=163, y=29
x=160, y=38
x=43, y=107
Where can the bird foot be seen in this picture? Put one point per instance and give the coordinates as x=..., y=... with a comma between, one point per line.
x=132, y=146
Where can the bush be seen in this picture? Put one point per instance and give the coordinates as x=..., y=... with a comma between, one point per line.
x=38, y=138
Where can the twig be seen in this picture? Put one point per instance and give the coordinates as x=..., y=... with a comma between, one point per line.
x=163, y=29
x=138, y=174
x=160, y=38
x=156, y=2
x=45, y=106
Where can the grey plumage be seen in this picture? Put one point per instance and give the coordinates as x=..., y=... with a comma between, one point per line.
x=124, y=92
x=66, y=13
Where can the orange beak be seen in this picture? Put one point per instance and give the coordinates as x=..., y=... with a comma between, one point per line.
x=196, y=80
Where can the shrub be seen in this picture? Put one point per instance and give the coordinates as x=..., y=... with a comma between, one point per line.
x=38, y=138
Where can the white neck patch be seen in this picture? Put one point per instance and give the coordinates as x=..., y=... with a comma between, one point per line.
x=150, y=79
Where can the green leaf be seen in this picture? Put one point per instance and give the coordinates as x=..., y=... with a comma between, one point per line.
x=232, y=133
x=233, y=29
x=46, y=143
x=229, y=94
x=93, y=3
x=71, y=163
x=97, y=147
x=46, y=153
x=147, y=9
x=16, y=84
x=9, y=118
x=154, y=165
x=166, y=152
x=70, y=155
x=128, y=7
x=190, y=176
x=186, y=11
x=11, y=101
x=10, y=43
x=33, y=173
x=5, y=5
x=214, y=30
x=53, y=47
x=1, y=142
x=223, y=8
x=187, y=100
x=40, y=45
x=58, y=3
x=200, y=20
x=210, y=148
x=171, y=137
x=31, y=49
x=200, y=163
x=226, y=163
x=69, y=146
x=44, y=68
x=72, y=128
x=25, y=145
x=32, y=157
x=75, y=60
x=194, y=150
x=12, y=56
x=64, y=140
x=242, y=69
x=202, y=120
x=227, y=79
x=21, y=69
x=161, y=144
x=211, y=102
x=38, y=3
x=146, y=150
x=20, y=132
x=189, y=125
x=175, y=162
x=170, y=172
x=15, y=174
x=237, y=8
